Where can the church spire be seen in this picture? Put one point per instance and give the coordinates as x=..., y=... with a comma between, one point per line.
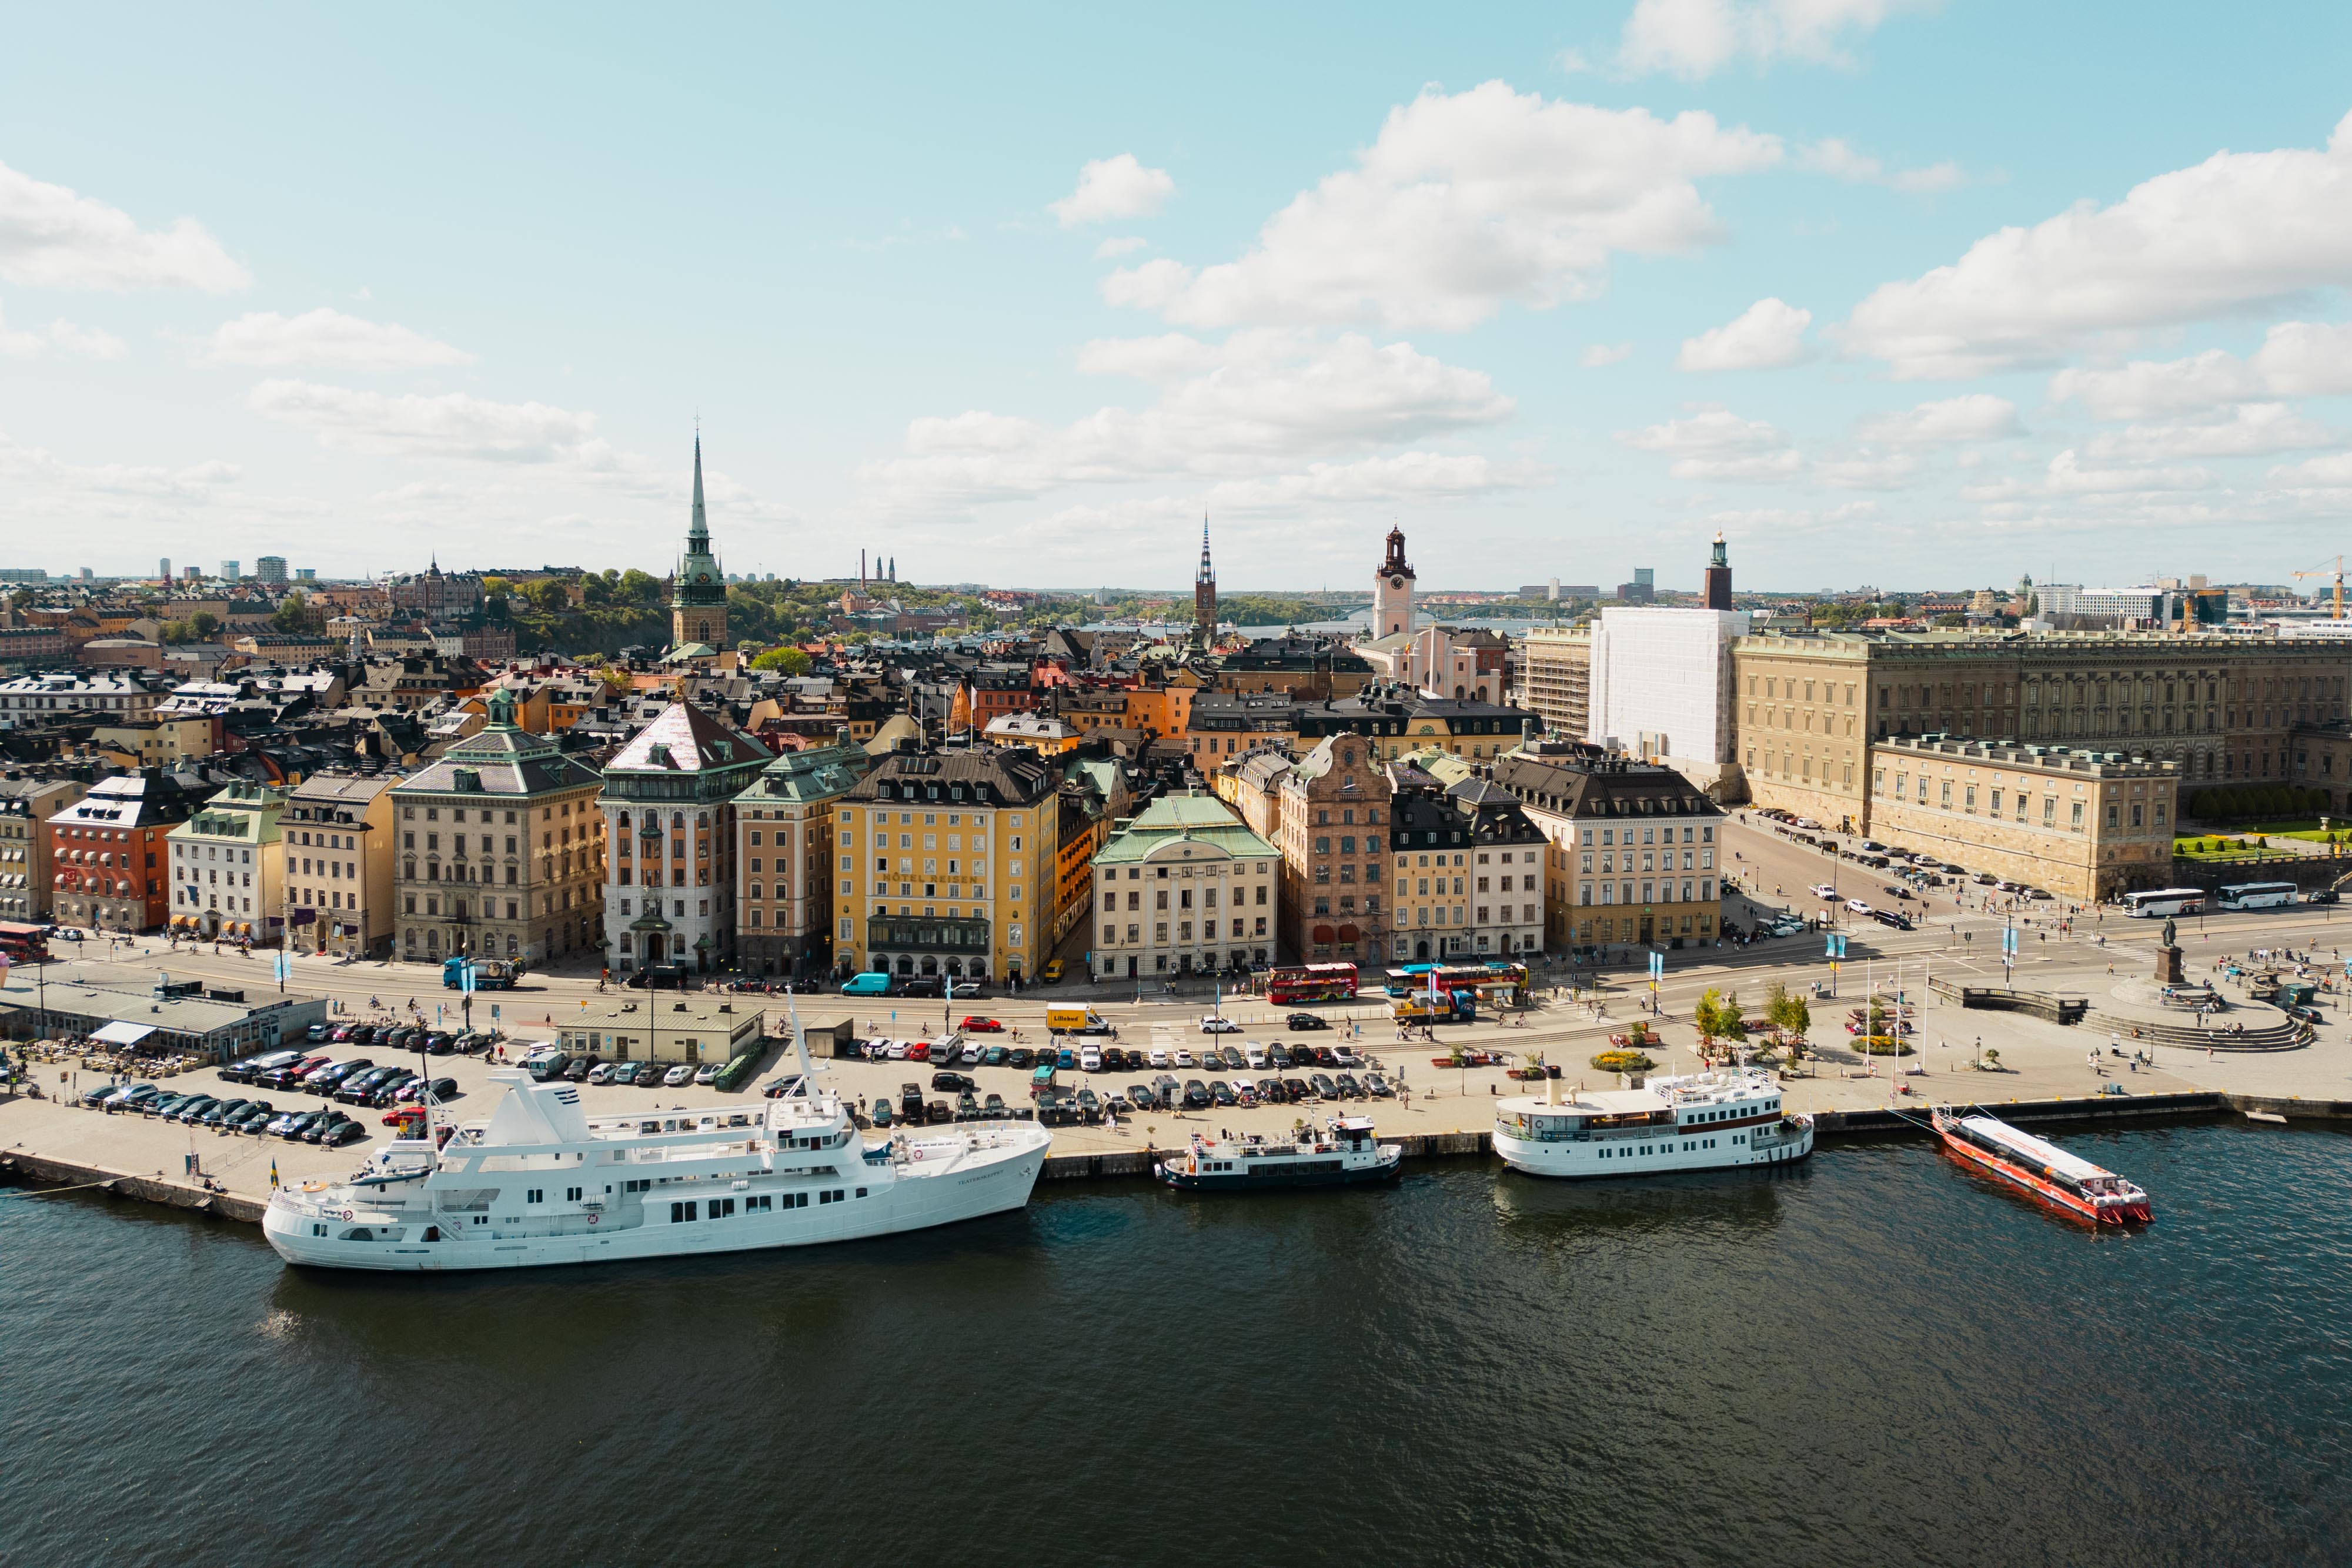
x=701, y=527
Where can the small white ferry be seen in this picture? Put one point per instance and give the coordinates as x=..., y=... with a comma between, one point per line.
x=541, y=1182
x=1339, y=1152
x=1708, y=1121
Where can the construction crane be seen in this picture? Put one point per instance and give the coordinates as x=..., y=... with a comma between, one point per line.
x=2337, y=614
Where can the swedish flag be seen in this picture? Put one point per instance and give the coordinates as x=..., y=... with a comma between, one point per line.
x=273, y=1173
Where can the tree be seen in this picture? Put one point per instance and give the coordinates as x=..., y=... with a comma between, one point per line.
x=791, y=661
x=549, y=595
x=1728, y=1023
x=1788, y=1014
x=636, y=588
x=1707, y=1015
x=203, y=624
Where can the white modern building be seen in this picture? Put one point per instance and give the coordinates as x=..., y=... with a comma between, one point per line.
x=1662, y=684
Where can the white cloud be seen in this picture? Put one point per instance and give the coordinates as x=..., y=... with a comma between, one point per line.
x=1404, y=477
x=1769, y=335
x=325, y=338
x=1258, y=402
x=2332, y=472
x=1695, y=38
x=1780, y=520
x=1714, y=445
x=1598, y=356
x=1466, y=202
x=1114, y=188
x=1888, y=471
x=89, y=341
x=2251, y=430
x=51, y=237
x=1840, y=160
x=453, y=424
x=2297, y=359
x=1119, y=246
x=1977, y=416
x=2065, y=475
x=2237, y=230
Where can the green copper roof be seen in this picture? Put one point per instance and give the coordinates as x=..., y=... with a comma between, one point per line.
x=1187, y=818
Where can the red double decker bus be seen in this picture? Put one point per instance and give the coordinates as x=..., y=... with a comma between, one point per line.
x=1311, y=982
x=24, y=943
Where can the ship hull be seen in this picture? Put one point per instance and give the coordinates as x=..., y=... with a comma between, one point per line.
x=1601, y=1159
x=2049, y=1192
x=1285, y=1176
x=993, y=1183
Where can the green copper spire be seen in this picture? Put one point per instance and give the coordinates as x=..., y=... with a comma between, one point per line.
x=700, y=529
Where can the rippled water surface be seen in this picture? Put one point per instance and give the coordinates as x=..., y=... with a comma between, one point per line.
x=1874, y=1359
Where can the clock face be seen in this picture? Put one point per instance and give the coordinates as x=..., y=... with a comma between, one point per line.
x=1396, y=582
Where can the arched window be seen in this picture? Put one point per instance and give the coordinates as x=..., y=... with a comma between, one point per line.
x=678, y=819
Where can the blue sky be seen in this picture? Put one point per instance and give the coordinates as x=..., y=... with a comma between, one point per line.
x=1889, y=292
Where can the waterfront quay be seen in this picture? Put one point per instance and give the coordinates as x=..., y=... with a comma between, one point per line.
x=2040, y=1065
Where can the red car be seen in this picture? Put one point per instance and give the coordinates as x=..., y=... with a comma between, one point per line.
x=983, y=1026
x=919, y=1052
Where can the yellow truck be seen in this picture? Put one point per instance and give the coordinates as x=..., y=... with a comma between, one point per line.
x=1074, y=1020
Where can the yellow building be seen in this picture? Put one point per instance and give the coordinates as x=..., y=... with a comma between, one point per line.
x=946, y=865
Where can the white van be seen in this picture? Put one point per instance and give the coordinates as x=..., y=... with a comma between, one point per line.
x=1090, y=1057
x=1256, y=1056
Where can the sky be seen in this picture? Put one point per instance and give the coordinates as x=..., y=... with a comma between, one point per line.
x=1887, y=292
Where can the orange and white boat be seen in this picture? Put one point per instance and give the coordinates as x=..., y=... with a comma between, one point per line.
x=2042, y=1168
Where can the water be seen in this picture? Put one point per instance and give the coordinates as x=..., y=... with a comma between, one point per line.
x=1874, y=1359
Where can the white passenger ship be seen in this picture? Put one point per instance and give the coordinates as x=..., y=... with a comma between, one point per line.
x=541, y=1182
x=1704, y=1122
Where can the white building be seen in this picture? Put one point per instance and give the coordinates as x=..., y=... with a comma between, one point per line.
x=29, y=699
x=1662, y=684
x=1184, y=889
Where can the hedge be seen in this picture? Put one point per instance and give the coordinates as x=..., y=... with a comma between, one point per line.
x=731, y=1076
x=2245, y=801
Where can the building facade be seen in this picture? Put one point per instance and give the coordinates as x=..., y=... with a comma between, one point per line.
x=1335, y=851
x=785, y=832
x=114, y=695
x=338, y=829
x=500, y=856
x=2223, y=709
x=670, y=826
x=945, y=864
x=1661, y=684
x=1467, y=880
x=107, y=852
x=661, y=1027
x=1184, y=889
x=1632, y=860
x=27, y=804
x=1555, y=679
x=227, y=862
x=2083, y=825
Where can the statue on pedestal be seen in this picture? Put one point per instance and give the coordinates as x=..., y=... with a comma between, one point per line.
x=2168, y=956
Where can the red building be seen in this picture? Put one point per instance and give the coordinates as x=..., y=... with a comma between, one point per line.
x=107, y=852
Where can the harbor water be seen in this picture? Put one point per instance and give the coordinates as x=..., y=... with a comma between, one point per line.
x=1877, y=1358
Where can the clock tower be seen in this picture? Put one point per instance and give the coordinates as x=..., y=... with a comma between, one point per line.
x=1392, y=590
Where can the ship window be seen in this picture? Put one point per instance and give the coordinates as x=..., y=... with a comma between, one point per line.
x=861, y=1192
x=681, y=1212
x=536, y=1195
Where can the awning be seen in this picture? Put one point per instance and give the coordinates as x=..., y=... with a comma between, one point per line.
x=124, y=1034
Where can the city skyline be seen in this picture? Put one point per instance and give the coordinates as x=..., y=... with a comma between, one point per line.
x=989, y=305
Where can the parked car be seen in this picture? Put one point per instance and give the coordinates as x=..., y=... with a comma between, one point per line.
x=1348, y=1086
x=1296, y=1089
x=1254, y=1058
x=603, y=1072
x=1196, y=1095
x=220, y=1111
x=1280, y=1055
x=1090, y=1057
x=678, y=1077
x=342, y=1132
x=195, y=1105
x=951, y=1083
x=1380, y=1087
x=971, y=1054
x=1323, y=1085
x=992, y=1057
x=1139, y=1095
x=882, y=1113
x=789, y=1083
x=1271, y=1091
x=1222, y=1092
x=1020, y=1058
x=579, y=1069
x=707, y=1072
x=252, y=1067
x=1307, y=1020
x=250, y=1117
x=1052, y=973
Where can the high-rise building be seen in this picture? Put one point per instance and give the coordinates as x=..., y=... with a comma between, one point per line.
x=232, y=571
x=1392, y=590
x=697, y=601
x=271, y=571
x=1718, y=577
x=163, y=569
x=191, y=574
